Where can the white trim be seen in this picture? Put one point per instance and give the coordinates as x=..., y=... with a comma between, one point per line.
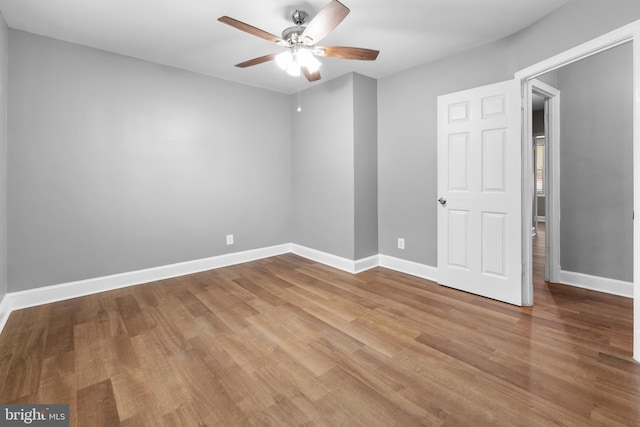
x=527, y=188
x=595, y=283
x=552, y=186
x=5, y=311
x=597, y=45
x=334, y=261
x=409, y=267
x=365, y=264
x=48, y=294
x=541, y=219
x=552, y=175
x=636, y=189
x=60, y=292
x=344, y=264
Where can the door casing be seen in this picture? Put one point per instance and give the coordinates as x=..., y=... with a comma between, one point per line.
x=626, y=34
x=552, y=172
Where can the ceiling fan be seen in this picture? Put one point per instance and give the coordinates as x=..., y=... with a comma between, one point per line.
x=300, y=41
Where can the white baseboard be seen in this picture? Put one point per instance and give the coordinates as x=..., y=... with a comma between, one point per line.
x=5, y=311
x=595, y=283
x=409, y=267
x=344, y=264
x=49, y=294
x=365, y=264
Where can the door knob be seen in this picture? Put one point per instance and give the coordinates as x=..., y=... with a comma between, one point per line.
x=443, y=201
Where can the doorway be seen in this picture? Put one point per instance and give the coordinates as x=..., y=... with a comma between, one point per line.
x=538, y=145
x=545, y=135
x=629, y=33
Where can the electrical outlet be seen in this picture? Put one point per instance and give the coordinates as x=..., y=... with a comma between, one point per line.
x=229, y=239
x=400, y=243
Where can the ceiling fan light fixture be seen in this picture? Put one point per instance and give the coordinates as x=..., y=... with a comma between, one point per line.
x=293, y=69
x=305, y=58
x=284, y=59
x=299, y=42
x=292, y=61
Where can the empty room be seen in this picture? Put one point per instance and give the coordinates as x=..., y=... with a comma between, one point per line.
x=324, y=213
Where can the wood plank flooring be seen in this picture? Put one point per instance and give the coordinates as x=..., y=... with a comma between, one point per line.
x=286, y=341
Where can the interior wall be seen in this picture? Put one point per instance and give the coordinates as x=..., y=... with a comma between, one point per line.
x=117, y=164
x=550, y=78
x=323, y=167
x=365, y=111
x=407, y=114
x=407, y=163
x=4, y=72
x=335, y=167
x=596, y=164
x=537, y=122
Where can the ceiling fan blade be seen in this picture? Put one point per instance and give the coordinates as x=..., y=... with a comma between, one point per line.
x=312, y=77
x=324, y=22
x=346, y=52
x=250, y=29
x=256, y=61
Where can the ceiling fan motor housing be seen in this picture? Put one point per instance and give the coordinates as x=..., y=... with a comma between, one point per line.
x=298, y=17
x=292, y=34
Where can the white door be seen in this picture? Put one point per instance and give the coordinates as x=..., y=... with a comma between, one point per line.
x=479, y=186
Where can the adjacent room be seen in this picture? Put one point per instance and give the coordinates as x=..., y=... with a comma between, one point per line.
x=276, y=213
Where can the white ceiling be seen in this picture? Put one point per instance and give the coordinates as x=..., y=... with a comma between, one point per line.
x=186, y=33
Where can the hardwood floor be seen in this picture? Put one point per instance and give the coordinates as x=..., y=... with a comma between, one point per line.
x=286, y=341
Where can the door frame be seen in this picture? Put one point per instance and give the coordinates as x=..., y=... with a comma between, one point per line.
x=552, y=174
x=626, y=34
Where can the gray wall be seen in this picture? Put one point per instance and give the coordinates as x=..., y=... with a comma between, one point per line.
x=407, y=114
x=117, y=164
x=542, y=205
x=322, y=171
x=334, y=159
x=407, y=150
x=366, y=166
x=4, y=72
x=537, y=122
x=596, y=164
